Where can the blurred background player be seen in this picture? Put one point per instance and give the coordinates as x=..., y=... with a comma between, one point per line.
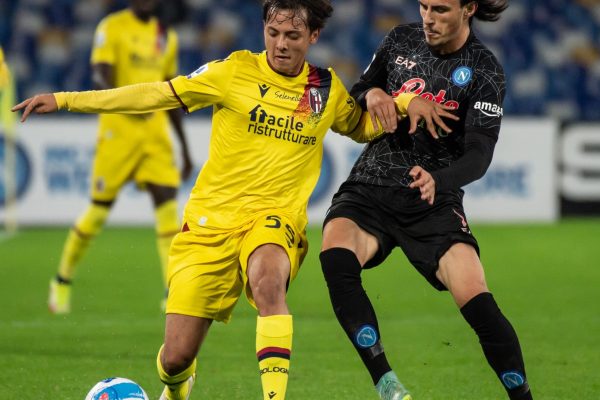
x=130, y=46
x=405, y=190
x=7, y=130
x=4, y=72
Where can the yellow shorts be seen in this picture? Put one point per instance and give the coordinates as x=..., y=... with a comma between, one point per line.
x=132, y=148
x=207, y=272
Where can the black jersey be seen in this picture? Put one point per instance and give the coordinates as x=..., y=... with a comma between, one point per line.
x=470, y=80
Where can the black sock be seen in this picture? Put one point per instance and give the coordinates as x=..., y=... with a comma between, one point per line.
x=353, y=308
x=62, y=280
x=500, y=344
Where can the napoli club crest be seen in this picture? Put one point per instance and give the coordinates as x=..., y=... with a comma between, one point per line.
x=315, y=100
x=462, y=75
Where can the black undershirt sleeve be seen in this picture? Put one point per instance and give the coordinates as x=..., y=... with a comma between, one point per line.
x=375, y=76
x=479, y=149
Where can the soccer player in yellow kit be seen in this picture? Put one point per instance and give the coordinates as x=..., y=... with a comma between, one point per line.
x=7, y=127
x=244, y=223
x=6, y=92
x=130, y=46
x=4, y=75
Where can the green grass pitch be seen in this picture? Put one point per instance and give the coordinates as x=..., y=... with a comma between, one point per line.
x=546, y=279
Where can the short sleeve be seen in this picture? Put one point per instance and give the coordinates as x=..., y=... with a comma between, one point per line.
x=104, y=48
x=4, y=74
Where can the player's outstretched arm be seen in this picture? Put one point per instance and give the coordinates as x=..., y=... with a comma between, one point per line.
x=369, y=127
x=133, y=99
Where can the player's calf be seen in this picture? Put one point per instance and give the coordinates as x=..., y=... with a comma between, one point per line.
x=353, y=308
x=273, y=351
x=500, y=344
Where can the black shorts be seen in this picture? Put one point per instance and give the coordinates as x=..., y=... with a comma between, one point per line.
x=398, y=217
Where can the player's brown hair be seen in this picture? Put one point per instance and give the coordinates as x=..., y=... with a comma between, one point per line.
x=318, y=11
x=487, y=10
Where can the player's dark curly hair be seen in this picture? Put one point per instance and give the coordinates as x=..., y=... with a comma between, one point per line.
x=487, y=10
x=318, y=11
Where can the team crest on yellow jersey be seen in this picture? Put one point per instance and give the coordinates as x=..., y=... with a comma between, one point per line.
x=315, y=100
x=316, y=93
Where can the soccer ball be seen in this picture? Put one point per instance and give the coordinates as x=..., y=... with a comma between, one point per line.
x=116, y=389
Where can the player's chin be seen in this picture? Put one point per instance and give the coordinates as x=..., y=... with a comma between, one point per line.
x=434, y=41
x=282, y=65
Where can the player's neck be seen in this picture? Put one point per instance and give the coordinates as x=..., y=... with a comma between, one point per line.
x=142, y=16
x=286, y=74
x=455, y=45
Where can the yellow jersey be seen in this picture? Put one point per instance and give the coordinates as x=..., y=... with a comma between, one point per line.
x=7, y=98
x=139, y=52
x=4, y=74
x=267, y=137
x=267, y=134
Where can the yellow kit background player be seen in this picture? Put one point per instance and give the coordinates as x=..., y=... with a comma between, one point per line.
x=4, y=75
x=7, y=128
x=244, y=222
x=130, y=46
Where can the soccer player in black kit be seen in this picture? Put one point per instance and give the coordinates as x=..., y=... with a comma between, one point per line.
x=405, y=189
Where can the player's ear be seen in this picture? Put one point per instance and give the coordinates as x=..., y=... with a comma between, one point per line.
x=314, y=36
x=470, y=9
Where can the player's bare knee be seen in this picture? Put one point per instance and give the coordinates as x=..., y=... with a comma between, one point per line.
x=268, y=292
x=161, y=194
x=268, y=274
x=340, y=232
x=334, y=233
x=175, y=361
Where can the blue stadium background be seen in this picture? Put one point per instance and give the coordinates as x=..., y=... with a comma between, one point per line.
x=549, y=48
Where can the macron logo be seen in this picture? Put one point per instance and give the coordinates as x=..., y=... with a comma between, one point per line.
x=264, y=88
x=489, y=109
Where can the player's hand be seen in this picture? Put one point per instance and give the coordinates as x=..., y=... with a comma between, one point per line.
x=431, y=112
x=424, y=182
x=188, y=166
x=382, y=109
x=39, y=104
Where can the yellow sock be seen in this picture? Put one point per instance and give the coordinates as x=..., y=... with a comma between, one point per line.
x=88, y=225
x=273, y=350
x=167, y=226
x=177, y=387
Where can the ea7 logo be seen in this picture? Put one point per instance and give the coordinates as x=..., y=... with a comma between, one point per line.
x=405, y=62
x=489, y=109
